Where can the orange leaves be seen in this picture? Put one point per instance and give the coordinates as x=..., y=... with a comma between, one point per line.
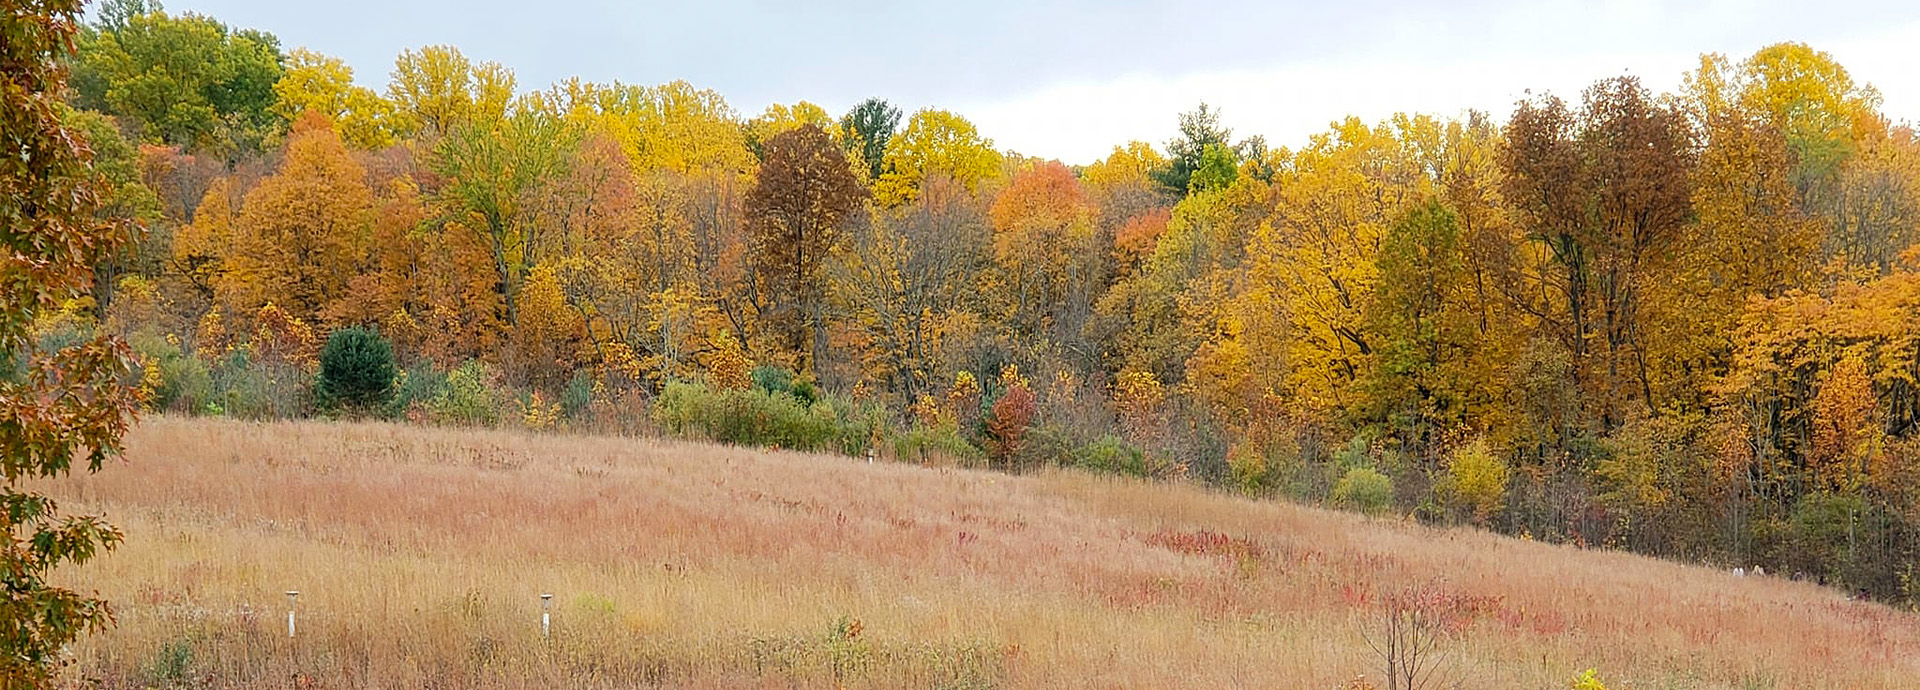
x=1845, y=424
x=1134, y=241
x=301, y=234
x=1041, y=227
x=1012, y=414
x=728, y=367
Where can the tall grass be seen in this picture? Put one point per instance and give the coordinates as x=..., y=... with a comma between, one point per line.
x=420, y=554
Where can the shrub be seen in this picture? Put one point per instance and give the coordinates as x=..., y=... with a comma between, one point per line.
x=1112, y=455
x=1364, y=489
x=468, y=398
x=356, y=370
x=415, y=389
x=752, y=417
x=1007, y=427
x=762, y=417
x=577, y=396
x=772, y=379
x=1479, y=479
x=248, y=386
x=934, y=444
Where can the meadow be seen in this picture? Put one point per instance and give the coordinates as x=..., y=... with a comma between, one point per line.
x=420, y=555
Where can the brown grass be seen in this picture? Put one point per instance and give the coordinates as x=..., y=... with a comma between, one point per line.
x=421, y=553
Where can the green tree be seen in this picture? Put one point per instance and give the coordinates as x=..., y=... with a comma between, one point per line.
x=356, y=369
x=190, y=81
x=1201, y=144
x=870, y=126
x=56, y=407
x=491, y=170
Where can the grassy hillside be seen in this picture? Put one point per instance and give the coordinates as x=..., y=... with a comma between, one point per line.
x=421, y=554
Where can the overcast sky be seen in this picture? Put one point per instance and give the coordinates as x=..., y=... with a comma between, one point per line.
x=1069, y=79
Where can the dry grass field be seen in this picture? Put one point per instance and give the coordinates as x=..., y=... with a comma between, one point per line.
x=420, y=555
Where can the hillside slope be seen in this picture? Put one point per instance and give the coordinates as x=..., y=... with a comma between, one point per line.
x=420, y=555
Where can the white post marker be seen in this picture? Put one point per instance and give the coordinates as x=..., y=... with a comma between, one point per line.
x=546, y=611
x=292, y=596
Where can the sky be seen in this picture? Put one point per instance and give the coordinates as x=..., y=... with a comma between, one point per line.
x=1070, y=79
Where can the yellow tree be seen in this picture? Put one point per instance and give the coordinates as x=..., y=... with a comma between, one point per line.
x=436, y=89
x=674, y=127
x=324, y=84
x=1318, y=252
x=200, y=248
x=779, y=118
x=935, y=141
x=302, y=232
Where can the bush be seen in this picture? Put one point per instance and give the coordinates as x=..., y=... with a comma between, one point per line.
x=172, y=379
x=771, y=418
x=468, y=398
x=1479, y=479
x=754, y=417
x=935, y=444
x=1112, y=455
x=248, y=386
x=356, y=370
x=771, y=379
x=1364, y=489
x=416, y=389
x=577, y=396
x=1007, y=426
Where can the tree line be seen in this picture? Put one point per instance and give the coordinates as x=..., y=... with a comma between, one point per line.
x=1682, y=323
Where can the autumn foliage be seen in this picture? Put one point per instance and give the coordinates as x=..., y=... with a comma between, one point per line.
x=1678, y=323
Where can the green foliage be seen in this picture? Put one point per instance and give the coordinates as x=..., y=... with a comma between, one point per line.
x=171, y=664
x=1364, y=489
x=356, y=369
x=1112, y=455
x=758, y=417
x=870, y=126
x=248, y=386
x=1200, y=146
x=923, y=444
x=577, y=396
x=190, y=81
x=469, y=398
x=415, y=388
x=753, y=417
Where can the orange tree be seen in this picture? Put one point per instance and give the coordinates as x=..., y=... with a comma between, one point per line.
x=59, y=407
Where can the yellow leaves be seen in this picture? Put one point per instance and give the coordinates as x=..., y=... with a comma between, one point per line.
x=673, y=126
x=278, y=334
x=728, y=367
x=438, y=89
x=935, y=142
x=318, y=83
x=1479, y=478
x=1133, y=164
x=1319, y=249
x=1846, y=424
x=538, y=414
x=780, y=118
